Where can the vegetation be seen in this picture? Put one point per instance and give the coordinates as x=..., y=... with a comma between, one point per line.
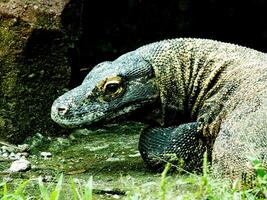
x=188, y=187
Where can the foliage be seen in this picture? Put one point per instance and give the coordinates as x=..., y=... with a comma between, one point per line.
x=187, y=187
x=48, y=191
x=205, y=186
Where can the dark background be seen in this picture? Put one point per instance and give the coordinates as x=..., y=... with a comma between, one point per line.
x=111, y=28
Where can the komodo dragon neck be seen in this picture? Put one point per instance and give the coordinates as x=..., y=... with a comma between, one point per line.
x=192, y=72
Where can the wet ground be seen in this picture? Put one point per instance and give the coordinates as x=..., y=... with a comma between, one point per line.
x=110, y=155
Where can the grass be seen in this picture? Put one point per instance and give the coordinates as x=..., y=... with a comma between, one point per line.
x=187, y=187
x=204, y=186
x=48, y=191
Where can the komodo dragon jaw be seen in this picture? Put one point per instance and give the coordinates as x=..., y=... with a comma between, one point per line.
x=110, y=90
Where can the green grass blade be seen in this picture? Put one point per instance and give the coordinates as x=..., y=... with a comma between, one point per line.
x=43, y=189
x=55, y=194
x=73, y=188
x=20, y=189
x=5, y=192
x=163, y=183
x=88, y=190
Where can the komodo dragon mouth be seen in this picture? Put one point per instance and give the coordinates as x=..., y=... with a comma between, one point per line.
x=76, y=119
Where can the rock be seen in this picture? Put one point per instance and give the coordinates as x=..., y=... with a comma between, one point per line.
x=137, y=154
x=116, y=196
x=8, y=149
x=23, y=148
x=25, y=154
x=35, y=63
x=20, y=165
x=5, y=155
x=115, y=159
x=46, y=155
x=13, y=152
x=90, y=148
x=13, y=156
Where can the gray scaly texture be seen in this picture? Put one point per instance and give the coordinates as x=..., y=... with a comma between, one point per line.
x=221, y=87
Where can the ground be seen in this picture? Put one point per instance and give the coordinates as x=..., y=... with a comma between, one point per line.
x=110, y=156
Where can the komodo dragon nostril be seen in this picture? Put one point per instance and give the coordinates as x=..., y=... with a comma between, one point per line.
x=62, y=109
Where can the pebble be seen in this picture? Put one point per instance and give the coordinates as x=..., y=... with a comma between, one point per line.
x=46, y=155
x=134, y=155
x=23, y=148
x=115, y=159
x=13, y=152
x=13, y=156
x=7, y=149
x=115, y=196
x=97, y=147
x=20, y=165
x=5, y=155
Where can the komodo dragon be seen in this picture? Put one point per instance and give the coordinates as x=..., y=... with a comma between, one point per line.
x=205, y=95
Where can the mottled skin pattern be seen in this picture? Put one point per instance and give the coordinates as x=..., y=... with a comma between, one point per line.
x=218, y=89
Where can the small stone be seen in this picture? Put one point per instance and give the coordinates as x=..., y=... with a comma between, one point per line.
x=72, y=137
x=12, y=156
x=22, y=157
x=23, y=148
x=20, y=165
x=8, y=179
x=31, y=75
x=19, y=156
x=97, y=147
x=116, y=196
x=46, y=155
x=35, y=7
x=8, y=149
x=134, y=155
x=5, y=155
x=25, y=154
x=114, y=159
x=46, y=178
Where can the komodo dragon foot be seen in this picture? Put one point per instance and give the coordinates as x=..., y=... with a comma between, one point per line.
x=160, y=145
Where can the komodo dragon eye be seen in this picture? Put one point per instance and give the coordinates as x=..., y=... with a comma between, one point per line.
x=112, y=87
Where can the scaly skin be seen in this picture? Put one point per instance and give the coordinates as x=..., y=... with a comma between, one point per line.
x=222, y=87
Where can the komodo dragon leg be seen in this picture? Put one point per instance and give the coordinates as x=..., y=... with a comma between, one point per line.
x=241, y=141
x=158, y=145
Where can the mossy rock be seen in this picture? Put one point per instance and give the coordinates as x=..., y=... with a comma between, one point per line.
x=35, y=68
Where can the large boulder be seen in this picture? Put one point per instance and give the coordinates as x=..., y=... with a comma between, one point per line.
x=34, y=65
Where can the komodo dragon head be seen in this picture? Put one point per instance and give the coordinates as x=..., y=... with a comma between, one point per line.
x=110, y=90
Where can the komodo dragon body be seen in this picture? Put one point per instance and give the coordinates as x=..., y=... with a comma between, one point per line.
x=211, y=95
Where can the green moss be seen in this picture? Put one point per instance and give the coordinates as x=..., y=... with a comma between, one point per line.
x=46, y=21
x=28, y=56
x=6, y=41
x=2, y=122
x=9, y=82
x=13, y=34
